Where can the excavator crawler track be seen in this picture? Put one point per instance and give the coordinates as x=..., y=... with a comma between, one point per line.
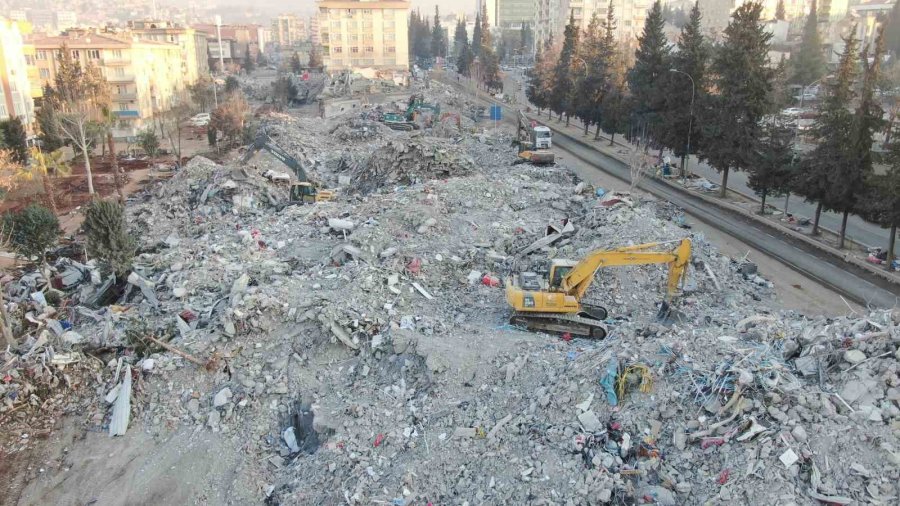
x=581, y=324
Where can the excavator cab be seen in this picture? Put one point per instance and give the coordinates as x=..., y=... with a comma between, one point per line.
x=559, y=269
x=308, y=194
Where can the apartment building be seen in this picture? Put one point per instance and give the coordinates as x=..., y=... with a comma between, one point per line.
x=512, y=14
x=144, y=76
x=288, y=29
x=15, y=90
x=549, y=17
x=364, y=34
x=193, y=45
x=492, y=7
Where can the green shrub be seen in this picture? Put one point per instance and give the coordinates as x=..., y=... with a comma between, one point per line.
x=31, y=231
x=107, y=237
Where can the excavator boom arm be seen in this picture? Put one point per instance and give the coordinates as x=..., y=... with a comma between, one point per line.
x=263, y=141
x=579, y=279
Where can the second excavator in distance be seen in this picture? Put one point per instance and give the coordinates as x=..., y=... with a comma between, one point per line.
x=555, y=304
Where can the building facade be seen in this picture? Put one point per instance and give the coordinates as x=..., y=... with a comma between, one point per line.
x=288, y=29
x=512, y=14
x=364, y=34
x=193, y=45
x=16, y=101
x=144, y=77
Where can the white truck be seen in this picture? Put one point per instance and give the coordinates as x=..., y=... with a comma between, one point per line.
x=542, y=137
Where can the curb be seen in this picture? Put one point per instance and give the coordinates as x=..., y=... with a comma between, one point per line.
x=889, y=277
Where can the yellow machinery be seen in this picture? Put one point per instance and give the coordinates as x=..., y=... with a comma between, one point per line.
x=555, y=304
x=305, y=192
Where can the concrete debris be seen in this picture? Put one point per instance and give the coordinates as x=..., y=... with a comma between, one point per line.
x=382, y=314
x=121, y=412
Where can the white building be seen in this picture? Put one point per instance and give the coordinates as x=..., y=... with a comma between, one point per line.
x=15, y=89
x=359, y=34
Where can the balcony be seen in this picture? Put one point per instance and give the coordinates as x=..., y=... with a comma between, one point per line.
x=115, y=62
x=126, y=78
x=124, y=97
x=127, y=114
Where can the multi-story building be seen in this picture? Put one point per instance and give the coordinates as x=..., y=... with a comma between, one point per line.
x=145, y=77
x=868, y=18
x=193, y=45
x=65, y=20
x=492, y=7
x=288, y=29
x=364, y=34
x=512, y=14
x=832, y=10
x=314, y=31
x=15, y=90
x=549, y=17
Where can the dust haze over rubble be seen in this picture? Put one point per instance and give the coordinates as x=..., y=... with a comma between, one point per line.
x=357, y=355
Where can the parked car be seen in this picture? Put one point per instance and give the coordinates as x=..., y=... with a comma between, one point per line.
x=200, y=120
x=792, y=111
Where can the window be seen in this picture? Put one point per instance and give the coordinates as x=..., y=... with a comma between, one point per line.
x=336, y=24
x=41, y=55
x=76, y=54
x=117, y=53
x=119, y=71
x=367, y=12
x=337, y=50
x=93, y=54
x=354, y=49
x=390, y=50
x=29, y=59
x=123, y=106
x=323, y=10
x=325, y=38
x=45, y=73
x=389, y=36
x=367, y=25
x=388, y=24
x=354, y=37
x=370, y=49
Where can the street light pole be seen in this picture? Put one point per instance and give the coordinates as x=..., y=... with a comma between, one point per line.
x=687, y=153
x=787, y=198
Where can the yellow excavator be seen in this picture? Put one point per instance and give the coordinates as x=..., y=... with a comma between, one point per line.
x=555, y=304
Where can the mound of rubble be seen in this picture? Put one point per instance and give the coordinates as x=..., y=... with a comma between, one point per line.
x=359, y=351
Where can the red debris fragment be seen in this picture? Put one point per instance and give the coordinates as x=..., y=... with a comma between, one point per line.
x=712, y=441
x=567, y=336
x=723, y=477
x=414, y=266
x=491, y=281
x=187, y=315
x=378, y=439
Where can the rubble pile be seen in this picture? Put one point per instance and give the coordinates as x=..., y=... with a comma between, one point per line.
x=359, y=351
x=404, y=162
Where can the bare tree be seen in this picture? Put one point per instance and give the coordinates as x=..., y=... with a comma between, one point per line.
x=169, y=125
x=230, y=116
x=81, y=97
x=639, y=163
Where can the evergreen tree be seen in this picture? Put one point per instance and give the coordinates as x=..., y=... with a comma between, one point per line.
x=438, y=41
x=540, y=84
x=490, y=64
x=880, y=202
x=296, y=66
x=460, y=38
x=780, y=14
x=613, y=66
x=832, y=127
x=809, y=62
x=867, y=120
x=476, y=34
x=590, y=74
x=465, y=60
x=249, y=64
x=743, y=82
x=563, y=97
x=315, y=58
x=773, y=157
x=48, y=123
x=692, y=58
x=616, y=99
x=15, y=139
x=649, y=76
x=892, y=31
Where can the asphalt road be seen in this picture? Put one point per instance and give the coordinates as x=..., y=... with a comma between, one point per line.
x=851, y=281
x=858, y=229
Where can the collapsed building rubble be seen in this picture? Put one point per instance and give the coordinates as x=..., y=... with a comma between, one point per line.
x=359, y=351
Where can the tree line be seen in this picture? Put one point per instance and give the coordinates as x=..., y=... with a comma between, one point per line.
x=721, y=102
